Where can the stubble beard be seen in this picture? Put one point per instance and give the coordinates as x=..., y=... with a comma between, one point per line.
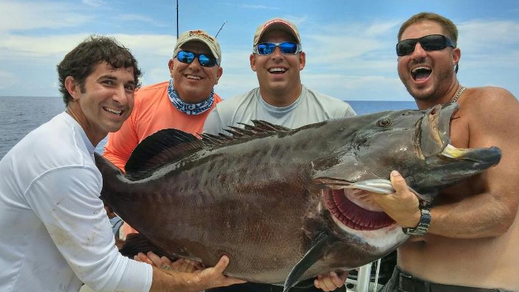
x=440, y=87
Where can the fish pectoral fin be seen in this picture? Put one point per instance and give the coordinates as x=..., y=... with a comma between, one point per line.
x=347, y=169
x=315, y=252
x=136, y=242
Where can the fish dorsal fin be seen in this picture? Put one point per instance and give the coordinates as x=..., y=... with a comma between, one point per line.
x=260, y=125
x=315, y=252
x=259, y=128
x=164, y=146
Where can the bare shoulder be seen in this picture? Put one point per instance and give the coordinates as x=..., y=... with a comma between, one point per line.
x=488, y=98
x=490, y=116
x=489, y=104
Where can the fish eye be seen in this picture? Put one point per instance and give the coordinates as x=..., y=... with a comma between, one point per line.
x=384, y=123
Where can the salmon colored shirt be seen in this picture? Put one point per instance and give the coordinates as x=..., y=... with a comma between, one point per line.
x=153, y=111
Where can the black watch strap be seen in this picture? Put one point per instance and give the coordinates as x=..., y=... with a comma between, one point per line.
x=423, y=225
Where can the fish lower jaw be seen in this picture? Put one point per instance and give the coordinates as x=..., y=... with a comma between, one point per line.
x=382, y=238
x=353, y=214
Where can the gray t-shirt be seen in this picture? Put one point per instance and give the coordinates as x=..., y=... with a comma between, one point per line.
x=310, y=107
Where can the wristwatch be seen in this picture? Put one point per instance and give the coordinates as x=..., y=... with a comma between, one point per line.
x=423, y=225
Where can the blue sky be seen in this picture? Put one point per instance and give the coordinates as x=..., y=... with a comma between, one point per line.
x=349, y=44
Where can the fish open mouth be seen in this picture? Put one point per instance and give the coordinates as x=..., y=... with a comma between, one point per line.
x=352, y=209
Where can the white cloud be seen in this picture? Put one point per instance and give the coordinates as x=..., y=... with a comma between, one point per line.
x=352, y=47
x=21, y=47
x=378, y=29
x=157, y=45
x=489, y=44
x=93, y=3
x=139, y=18
x=24, y=53
x=16, y=47
x=352, y=87
x=261, y=7
x=22, y=15
x=297, y=20
x=482, y=34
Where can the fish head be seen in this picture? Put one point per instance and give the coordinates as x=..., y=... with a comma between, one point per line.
x=417, y=144
x=414, y=142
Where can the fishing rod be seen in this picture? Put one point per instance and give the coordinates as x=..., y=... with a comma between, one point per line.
x=216, y=32
x=177, y=19
x=220, y=29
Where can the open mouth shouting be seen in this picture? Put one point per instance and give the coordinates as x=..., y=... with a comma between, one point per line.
x=421, y=73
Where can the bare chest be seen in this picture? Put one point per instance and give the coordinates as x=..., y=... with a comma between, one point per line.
x=460, y=136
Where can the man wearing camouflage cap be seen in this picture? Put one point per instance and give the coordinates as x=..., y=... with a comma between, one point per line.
x=183, y=102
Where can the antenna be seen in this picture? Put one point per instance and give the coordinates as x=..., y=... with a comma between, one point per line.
x=177, y=19
x=220, y=29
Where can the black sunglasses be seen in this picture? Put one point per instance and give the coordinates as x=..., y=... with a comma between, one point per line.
x=433, y=42
x=188, y=57
x=284, y=47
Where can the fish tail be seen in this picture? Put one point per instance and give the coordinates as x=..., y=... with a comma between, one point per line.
x=107, y=169
x=113, y=178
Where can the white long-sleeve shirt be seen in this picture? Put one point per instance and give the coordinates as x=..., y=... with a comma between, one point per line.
x=54, y=230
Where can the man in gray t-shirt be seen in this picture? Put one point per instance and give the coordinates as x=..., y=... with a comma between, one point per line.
x=280, y=99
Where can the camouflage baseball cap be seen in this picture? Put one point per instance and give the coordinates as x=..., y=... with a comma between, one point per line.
x=199, y=36
x=276, y=23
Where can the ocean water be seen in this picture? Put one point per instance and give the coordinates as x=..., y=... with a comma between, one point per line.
x=20, y=115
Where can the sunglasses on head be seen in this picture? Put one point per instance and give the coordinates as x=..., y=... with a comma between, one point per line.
x=433, y=42
x=284, y=47
x=188, y=57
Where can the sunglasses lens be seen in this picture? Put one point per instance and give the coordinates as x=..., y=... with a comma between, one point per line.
x=285, y=48
x=405, y=47
x=188, y=57
x=206, y=61
x=266, y=48
x=288, y=48
x=433, y=42
x=185, y=57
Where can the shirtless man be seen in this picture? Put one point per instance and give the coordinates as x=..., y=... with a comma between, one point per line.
x=472, y=242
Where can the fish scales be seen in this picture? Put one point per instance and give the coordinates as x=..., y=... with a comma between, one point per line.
x=286, y=205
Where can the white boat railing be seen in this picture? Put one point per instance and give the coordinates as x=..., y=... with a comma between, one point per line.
x=363, y=282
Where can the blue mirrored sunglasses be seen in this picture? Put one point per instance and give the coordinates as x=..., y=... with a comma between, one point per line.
x=284, y=47
x=188, y=57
